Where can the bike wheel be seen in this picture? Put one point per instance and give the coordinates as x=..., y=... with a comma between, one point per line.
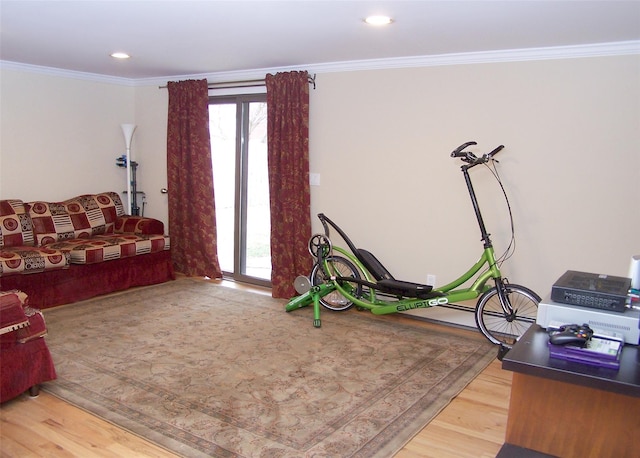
x=501, y=328
x=340, y=267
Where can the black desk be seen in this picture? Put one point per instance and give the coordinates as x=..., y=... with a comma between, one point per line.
x=569, y=409
x=531, y=356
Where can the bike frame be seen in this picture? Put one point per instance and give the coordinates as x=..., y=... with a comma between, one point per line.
x=449, y=293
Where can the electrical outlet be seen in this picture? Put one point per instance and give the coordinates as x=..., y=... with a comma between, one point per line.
x=431, y=280
x=314, y=179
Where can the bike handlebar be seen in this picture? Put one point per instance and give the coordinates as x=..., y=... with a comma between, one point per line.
x=471, y=158
x=495, y=151
x=458, y=151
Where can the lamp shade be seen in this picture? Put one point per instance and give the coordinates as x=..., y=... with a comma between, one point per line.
x=127, y=130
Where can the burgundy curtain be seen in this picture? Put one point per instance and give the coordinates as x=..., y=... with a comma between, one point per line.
x=192, y=222
x=288, y=162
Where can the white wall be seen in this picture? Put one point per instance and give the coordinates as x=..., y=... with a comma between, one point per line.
x=381, y=141
x=151, y=105
x=60, y=137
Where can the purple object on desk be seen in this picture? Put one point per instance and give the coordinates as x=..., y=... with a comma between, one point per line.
x=585, y=355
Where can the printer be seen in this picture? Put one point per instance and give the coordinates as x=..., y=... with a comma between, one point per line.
x=626, y=324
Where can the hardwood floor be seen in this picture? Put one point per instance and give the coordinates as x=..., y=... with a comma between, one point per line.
x=472, y=425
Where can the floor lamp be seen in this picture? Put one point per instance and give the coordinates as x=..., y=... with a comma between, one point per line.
x=127, y=130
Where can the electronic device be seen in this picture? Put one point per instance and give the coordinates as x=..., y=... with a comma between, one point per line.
x=626, y=324
x=604, y=292
x=571, y=334
x=596, y=351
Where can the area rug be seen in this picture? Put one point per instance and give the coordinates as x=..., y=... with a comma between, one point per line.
x=206, y=370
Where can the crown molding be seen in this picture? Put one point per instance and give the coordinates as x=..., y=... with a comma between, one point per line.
x=512, y=55
x=484, y=57
x=62, y=73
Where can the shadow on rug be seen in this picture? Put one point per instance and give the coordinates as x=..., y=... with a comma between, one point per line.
x=205, y=370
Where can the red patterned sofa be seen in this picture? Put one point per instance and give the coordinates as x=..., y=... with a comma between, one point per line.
x=25, y=361
x=62, y=252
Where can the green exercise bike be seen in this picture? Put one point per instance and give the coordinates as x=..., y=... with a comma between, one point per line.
x=342, y=278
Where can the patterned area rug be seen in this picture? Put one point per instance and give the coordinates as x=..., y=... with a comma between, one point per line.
x=206, y=370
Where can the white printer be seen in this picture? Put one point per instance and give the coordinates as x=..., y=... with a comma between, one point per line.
x=625, y=323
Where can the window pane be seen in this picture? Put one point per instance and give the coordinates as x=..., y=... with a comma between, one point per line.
x=258, y=250
x=222, y=128
x=238, y=127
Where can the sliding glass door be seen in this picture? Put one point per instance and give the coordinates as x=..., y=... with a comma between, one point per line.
x=238, y=127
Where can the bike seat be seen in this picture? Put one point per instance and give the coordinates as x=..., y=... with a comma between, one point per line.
x=373, y=265
x=405, y=288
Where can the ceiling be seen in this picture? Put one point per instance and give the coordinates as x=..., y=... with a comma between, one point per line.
x=182, y=37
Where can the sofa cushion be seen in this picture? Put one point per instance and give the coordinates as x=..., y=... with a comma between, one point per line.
x=29, y=260
x=109, y=204
x=81, y=217
x=139, y=225
x=16, y=228
x=106, y=247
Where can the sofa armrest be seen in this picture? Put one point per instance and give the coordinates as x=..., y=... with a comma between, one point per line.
x=138, y=225
x=12, y=314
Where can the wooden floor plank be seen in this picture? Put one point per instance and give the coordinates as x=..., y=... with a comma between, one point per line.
x=48, y=426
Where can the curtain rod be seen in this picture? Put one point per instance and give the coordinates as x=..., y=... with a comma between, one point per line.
x=244, y=83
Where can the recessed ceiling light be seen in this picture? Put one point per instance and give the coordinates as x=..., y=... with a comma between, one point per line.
x=120, y=55
x=378, y=20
